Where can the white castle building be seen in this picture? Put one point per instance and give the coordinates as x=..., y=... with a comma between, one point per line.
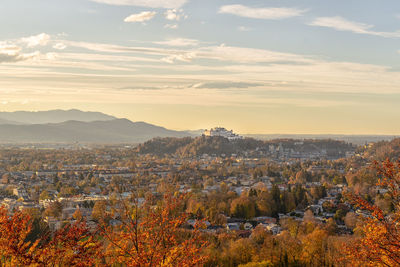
x=219, y=131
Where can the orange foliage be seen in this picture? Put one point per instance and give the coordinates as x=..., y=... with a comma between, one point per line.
x=380, y=243
x=72, y=245
x=14, y=231
x=147, y=236
x=153, y=236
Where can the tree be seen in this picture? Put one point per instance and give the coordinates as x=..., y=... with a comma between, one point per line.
x=153, y=235
x=243, y=207
x=14, y=231
x=74, y=245
x=257, y=264
x=380, y=242
x=350, y=220
x=54, y=209
x=44, y=195
x=309, y=216
x=77, y=215
x=315, y=247
x=99, y=211
x=241, y=251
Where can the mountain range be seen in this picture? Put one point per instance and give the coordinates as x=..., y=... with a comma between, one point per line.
x=67, y=126
x=52, y=116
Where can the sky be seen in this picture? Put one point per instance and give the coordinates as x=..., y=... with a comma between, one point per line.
x=255, y=66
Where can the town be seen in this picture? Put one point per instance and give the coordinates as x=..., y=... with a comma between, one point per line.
x=61, y=183
x=245, y=188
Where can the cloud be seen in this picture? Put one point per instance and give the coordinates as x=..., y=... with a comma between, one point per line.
x=13, y=58
x=36, y=40
x=341, y=24
x=199, y=85
x=184, y=57
x=225, y=85
x=171, y=26
x=140, y=88
x=250, y=55
x=145, y=3
x=175, y=14
x=179, y=42
x=244, y=29
x=141, y=17
x=10, y=53
x=261, y=13
x=59, y=46
x=219, y=53
x=110, y=48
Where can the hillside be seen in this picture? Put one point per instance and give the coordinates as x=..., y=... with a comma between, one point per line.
x=218, y=145
x=197, y=146
x=112, y=131
x=354, y=139
x=384, y=150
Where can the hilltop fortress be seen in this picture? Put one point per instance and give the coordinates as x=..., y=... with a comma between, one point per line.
x=220, y=131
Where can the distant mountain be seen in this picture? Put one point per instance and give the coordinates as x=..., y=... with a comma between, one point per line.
x=52, y=116
x=196, y=132
x=111, y=131
x=2, y=121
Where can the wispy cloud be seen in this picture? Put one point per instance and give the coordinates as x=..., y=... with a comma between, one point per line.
x=179, y=42
x=244, y=29
x=219, y=53
x=171, y=26
x=182, y=57
x=261, y=13
x=145, y=3
x=250, y=70
x=59, y=46
x=141, y=17
x=225, y=85
x=341, y=24
x=250, y=55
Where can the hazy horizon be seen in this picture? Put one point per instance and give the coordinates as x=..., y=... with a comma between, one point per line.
x=104, y=117
x=258, y=67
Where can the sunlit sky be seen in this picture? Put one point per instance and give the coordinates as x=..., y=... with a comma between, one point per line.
x=266, y=66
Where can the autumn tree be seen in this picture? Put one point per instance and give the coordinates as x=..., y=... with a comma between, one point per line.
x=54, y=209
x=315, y=247
x=380, y=241
x=243, y=207
x=73, y=245
x=153, y=235
x=77, y=215
x=14, y=231
x=99, y=211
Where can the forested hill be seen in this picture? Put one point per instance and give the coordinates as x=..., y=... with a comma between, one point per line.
x=384, y=150
x=218, y=146
x=197, y=146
